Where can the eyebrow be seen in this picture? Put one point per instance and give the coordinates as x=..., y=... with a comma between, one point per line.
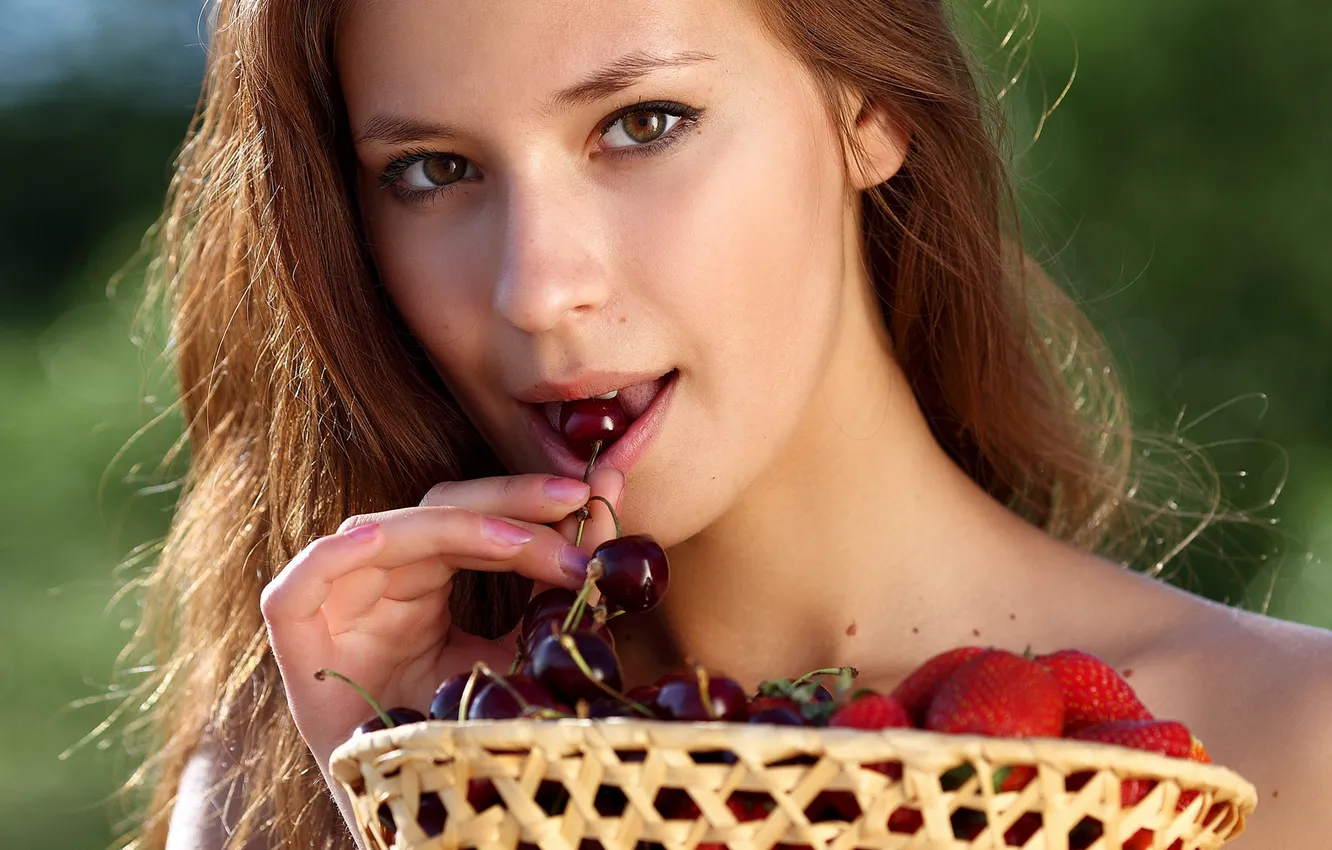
x=604, y=82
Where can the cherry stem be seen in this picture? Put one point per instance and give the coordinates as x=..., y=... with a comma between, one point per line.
x=583, y=512
x=826, y=671
x=570, y=647
x=383, y=715
x=619, y=532
x=705, y=697
x=465, y=704
x=580, y=602
x=596, y=450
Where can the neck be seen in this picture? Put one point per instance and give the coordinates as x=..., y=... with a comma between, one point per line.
x=850, y=550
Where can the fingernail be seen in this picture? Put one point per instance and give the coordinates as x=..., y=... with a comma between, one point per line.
x=362, y=533
x=566, y=490
x=505, y=533
x=574, y=561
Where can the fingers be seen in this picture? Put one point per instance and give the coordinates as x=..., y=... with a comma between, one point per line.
x=531, y=498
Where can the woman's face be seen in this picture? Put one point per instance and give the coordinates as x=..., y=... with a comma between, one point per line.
x=565, y=198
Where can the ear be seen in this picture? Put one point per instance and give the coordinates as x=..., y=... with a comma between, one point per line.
x=877, y=145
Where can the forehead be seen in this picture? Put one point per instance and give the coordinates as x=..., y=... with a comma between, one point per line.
x=415, y=53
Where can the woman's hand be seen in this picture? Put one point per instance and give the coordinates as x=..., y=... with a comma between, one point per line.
x=372, y=600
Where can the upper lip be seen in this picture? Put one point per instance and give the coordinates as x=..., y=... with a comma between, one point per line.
x=584, y=385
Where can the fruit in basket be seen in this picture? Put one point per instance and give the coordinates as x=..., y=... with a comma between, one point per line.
x=448, y=697
x=1094, y=692
x=918, y=689
x=399, y=716
x=871, y=711
x=1001, y=694
x=700, y=696
x=512, y=696
x=577, y=666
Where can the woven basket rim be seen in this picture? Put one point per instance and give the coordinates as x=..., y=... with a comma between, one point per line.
x=630, y=733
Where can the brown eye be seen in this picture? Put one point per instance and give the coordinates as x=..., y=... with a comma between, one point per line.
x=640, y=127
x=435, y=172
x=644, y=127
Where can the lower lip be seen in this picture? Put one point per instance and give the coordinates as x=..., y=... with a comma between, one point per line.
x=623, y=454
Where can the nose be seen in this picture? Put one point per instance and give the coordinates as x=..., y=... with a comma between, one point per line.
x=553, y=265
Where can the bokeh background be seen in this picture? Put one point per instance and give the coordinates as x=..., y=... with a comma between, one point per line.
x=1182, y=188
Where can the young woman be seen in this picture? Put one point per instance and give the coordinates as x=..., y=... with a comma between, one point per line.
x=866, y=429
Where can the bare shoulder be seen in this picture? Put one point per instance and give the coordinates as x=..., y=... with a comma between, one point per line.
x=209, y=801
x=1258, y=692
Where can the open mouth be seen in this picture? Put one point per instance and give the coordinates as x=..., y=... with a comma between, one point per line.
x=633, y=401
x=643, y=407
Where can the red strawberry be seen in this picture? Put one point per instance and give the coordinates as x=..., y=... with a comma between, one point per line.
x=745, y=805
x=1197, y=752
x=917, y=690
x=906, y=820
x=1159, y=736
x=1093, y=691
x=871, y=711
x=1022, y=830
x=1000, y=694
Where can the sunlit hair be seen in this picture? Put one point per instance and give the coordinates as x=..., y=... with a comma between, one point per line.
x=306, y=400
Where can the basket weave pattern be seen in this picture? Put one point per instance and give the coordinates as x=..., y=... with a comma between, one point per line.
x=640, y=763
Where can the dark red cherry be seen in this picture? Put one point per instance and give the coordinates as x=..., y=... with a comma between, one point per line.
x=778, y=716
x=644, y=695
x=553, y=604
x=822, y=694
x=431, y=815
x=608, y=707
x=590, y=420
x=586, y=622
x=634, y=572
x=449, y=695
x=496, y=702
x=680, y=697
x=399, y=716
x=554, y=667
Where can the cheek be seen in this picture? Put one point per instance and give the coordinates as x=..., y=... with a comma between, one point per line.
x=751, y=248
x=431, y=281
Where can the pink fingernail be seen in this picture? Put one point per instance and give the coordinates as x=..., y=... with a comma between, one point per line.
x=505, y=533
x=362, y=533
x=566, y=490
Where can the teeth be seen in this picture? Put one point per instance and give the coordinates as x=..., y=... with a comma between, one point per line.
x=610, y=395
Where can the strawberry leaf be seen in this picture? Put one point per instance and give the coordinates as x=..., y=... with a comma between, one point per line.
x=775, y=688
x=818, y=713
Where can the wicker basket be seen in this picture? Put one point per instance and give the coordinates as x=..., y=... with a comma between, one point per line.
x=612, y=779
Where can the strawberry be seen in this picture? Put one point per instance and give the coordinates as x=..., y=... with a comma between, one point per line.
x=917, y=690
x=871, y=711
x=1094, y=692
x=1000, y=694
x=1197, y=752
x=1158, y=736
x=745, y=805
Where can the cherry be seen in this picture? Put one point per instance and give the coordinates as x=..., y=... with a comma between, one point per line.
x=644, y=695
x=400, y=717
x=555, y=667
x=634, y=572
x=497, y=702
x=449, y=695
x=588, y=421
x=431, y=815
x=553, y=604
x=610, y=707
x=681, y=697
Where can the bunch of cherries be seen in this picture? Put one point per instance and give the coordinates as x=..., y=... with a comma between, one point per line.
x=566, y=666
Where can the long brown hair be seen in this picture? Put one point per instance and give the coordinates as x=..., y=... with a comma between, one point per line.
x=306, y=401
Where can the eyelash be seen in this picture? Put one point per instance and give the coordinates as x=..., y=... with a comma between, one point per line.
x=688, y=116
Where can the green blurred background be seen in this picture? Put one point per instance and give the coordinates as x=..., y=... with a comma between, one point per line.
x=1183, y=188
